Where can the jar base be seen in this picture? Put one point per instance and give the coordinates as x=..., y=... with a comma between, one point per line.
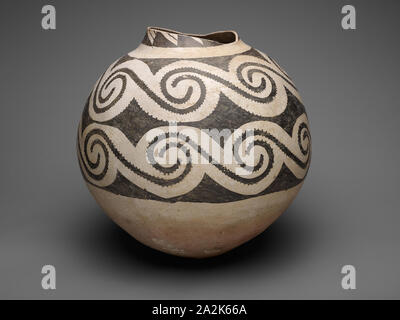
x=194, y=229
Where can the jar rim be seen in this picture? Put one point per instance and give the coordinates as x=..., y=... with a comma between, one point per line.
x=218, y=37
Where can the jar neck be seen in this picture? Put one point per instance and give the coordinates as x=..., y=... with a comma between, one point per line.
x=163, y=43
x=165, y=38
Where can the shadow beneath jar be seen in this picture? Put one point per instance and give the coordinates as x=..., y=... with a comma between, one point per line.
x=283, y=242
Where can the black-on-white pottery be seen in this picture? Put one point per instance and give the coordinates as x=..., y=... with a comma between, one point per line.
x=194, y=144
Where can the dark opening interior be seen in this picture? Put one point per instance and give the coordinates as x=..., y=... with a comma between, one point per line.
x=221, y=37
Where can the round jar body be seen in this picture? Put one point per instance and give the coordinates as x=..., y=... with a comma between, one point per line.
x=194, y=144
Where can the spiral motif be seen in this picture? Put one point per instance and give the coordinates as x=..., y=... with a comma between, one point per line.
x=303, y=138
x=110, y=92
x=187, y=90
x=147, y=158
x=195, y=91
x=96, y=155
x=104, y=151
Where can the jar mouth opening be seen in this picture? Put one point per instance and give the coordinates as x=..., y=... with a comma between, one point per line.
x=220, y=37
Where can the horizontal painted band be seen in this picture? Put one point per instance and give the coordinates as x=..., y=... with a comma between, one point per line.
x=149, y=52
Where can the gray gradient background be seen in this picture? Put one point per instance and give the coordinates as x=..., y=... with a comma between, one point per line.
x=346, y=213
